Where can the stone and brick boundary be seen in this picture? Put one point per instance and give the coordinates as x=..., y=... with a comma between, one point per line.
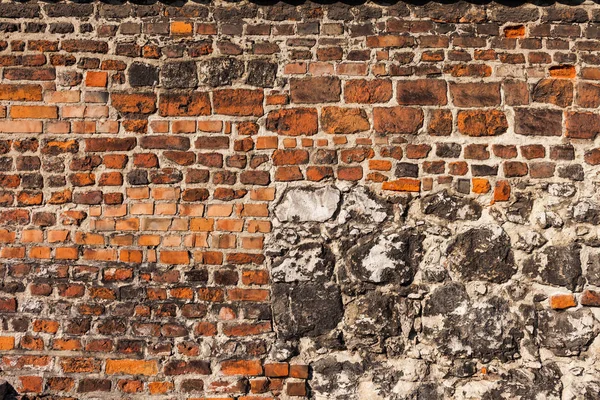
x=249, y=201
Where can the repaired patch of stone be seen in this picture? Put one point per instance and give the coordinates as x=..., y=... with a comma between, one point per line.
x=308, y=204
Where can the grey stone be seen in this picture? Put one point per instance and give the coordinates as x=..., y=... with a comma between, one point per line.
x=519, y=210
x=483, y=330
x=222, y=71
x=182, y=74
x=305, y=309
x=566, y=333
x=555, y=265
x=261, y=73
x=562, y=189
x=308, y=204
x=530, y=241
x=586, y=211
x=339, y=377
x=482, y=253
x=386, y=257
x=374, y=314
x=593, y=269
x=360, y=206
x=308, y=262
x=450, y=207
x=141, y=74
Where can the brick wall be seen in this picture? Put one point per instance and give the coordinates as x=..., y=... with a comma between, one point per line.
x=245, y=201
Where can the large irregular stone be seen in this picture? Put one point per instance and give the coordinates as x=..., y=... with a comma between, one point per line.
x=374, y=314
x=305, y=309
x=309, y=262
x=386, y=257
x=566, y=333
x=482, y=253
x=460, y=328
x=378, y=315
x=556, y=265
x=308, y=204
x=450, y=207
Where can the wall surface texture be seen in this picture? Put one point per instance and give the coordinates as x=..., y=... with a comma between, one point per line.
x=232, y=200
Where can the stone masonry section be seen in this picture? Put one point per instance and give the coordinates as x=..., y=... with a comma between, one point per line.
x=260, y=201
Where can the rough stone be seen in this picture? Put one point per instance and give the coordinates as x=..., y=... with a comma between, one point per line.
x=555, y=265
x=308, y=262
x=482, y=253
x=391, y=256
x=182, y=74
x=450, y=207
x=305, y=309
x=261, y=73
x=484, y=330
x=221, y=71
x=566, y=333
x=141, y=74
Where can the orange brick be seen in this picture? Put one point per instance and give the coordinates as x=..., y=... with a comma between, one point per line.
x=160, y=387
x=20, y=126
x=7, y=342
x=242, y=367
x=181, y=28
x=502, y=191
x=21, y=92
x=562, y=301
x=96, y=79
x=230, y=225
x=34, y=112
x=380, y=165
x=30, y=384
x=46, y=326
x=174, y=257
x=131, y=367
x=277, y=370
x=403, y=185
x=66, y=253
x=219, y=210
x=481, y=185
x=100, y=255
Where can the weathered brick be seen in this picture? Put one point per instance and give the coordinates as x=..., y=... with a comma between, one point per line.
x=338, y=120
x=184, y=104
x=240, y=102
x=482, y=123
x=315, y=90
x=293, y=121
x=391, y=120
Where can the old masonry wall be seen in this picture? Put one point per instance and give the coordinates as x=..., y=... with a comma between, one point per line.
x=233, y=200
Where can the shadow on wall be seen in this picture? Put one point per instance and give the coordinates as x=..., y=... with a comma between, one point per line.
x=510, y=3
x=7, y=392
